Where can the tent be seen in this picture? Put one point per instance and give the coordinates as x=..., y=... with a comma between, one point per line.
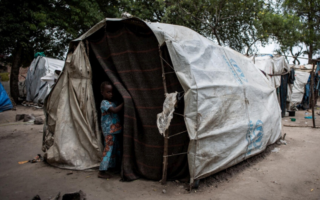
x=280, y=76
x=5, y=103
x=226, y=111
x=37, y=89
x=271, y=64
x=298, y=89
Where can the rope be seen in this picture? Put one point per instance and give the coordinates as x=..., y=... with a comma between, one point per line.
x=177, y=134
x=179, y=114
x=166, y=62
x=176, y=154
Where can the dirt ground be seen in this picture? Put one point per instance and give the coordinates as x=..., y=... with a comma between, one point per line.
x=291, y=173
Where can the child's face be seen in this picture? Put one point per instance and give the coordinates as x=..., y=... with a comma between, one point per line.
x=107, y=92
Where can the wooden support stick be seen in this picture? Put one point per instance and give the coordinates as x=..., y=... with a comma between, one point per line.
x=312, y=95
x=166, y=134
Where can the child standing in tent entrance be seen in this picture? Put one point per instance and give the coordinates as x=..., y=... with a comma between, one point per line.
x=111, y=127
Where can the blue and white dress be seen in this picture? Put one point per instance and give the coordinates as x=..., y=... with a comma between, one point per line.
x=111, y=126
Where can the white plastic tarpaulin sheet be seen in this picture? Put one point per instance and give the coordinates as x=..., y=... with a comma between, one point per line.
x=272, y=65
x=298, y=86
x=36, y=88
x=231, y=112
x=76, y=142
x=164, y=118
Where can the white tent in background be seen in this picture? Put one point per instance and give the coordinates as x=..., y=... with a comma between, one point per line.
x=272, y=65
x=298, y=86
x=37, y=88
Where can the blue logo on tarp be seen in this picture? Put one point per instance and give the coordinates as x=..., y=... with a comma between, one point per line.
x=254, y=136
x=236, y=71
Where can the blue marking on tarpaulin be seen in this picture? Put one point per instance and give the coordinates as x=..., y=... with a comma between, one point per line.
x=233, y=70
x=254, y=136
x=238, y=70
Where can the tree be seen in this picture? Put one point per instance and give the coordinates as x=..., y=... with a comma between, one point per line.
x=308, y=12
x=45, y=25
x=145, y=9
x=229, y=22
x=286, y=29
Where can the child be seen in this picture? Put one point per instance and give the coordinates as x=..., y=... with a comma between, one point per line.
x=110, y=124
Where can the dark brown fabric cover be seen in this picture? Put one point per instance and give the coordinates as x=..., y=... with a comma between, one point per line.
x=129, y=55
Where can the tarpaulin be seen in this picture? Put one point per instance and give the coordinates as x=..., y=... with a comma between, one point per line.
x=230, y=108
x=36, y=88
x=5, y=103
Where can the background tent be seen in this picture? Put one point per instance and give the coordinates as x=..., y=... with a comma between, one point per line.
x=272, y=65
x=36, y=88
x=5, y=103
x=298, y=89
x=280, y=76
x=228, y=110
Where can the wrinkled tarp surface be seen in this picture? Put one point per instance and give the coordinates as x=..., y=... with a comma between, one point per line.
x=272, y=65
x=72, y=137
x=37, y=89
x=164, y=118
x=298, y=86
x=5, y=103
x=230, y=111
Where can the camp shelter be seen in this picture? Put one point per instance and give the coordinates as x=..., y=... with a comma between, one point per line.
x=280, y=76
x=5, y=103
x=298, y=89
x=228, y=109
x=37, y=89
x=271, y=64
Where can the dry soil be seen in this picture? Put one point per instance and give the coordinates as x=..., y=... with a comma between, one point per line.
x=291, y=173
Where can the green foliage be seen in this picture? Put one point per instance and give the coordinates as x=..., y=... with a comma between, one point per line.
x=48, y=25
x=285, y=28
x=308, y=13
x=231, y=23
x=145, y=9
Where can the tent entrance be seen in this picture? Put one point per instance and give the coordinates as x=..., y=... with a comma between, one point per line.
x=127, y=54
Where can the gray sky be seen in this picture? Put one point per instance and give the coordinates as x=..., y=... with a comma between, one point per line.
x=268, y=49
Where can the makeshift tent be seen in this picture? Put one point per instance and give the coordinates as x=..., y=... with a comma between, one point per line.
x=280, y=76
x=36, y=88
x=224, y=102
x=5, y=103
x=298, y=89
x=271, y=65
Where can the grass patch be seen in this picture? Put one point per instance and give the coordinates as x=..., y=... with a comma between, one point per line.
x=4, y=76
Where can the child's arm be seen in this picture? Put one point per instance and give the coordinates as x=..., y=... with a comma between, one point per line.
x=116, y=109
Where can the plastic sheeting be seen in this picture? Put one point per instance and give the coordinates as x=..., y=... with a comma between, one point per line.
x=50, y=78
x=71, y=106
x=36, y=88
x=5, y=103
x=164, y=118
x=272, y=65
x=231, y=112
x=298, y=86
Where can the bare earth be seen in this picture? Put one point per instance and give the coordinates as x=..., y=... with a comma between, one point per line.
x=292, y=173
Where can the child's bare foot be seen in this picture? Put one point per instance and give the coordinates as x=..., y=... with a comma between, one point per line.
x=104, y=175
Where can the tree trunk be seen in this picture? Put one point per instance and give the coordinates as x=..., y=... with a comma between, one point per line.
x=216, y=34
x=14, y=75
x=310, y=54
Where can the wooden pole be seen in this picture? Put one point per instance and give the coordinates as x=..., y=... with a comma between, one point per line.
x=166, y=134
x=312, y=95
